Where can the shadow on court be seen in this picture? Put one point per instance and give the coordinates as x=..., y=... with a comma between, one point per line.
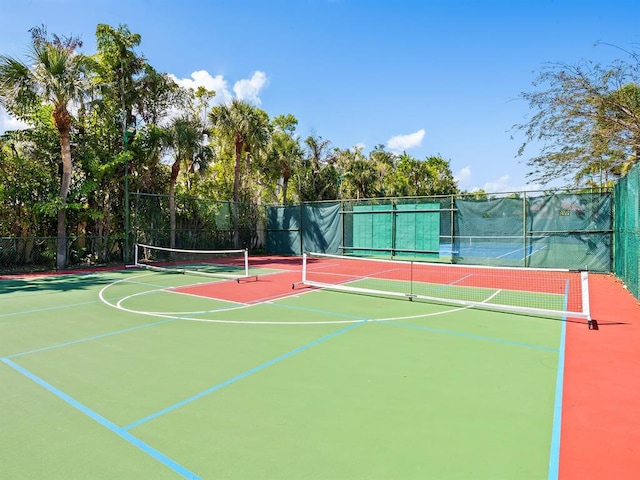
x=56, y=283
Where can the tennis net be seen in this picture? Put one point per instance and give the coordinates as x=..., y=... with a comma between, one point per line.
x=232, y=264
x=545, y=292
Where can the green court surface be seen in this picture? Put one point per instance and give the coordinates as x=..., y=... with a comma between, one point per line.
x=121, y=374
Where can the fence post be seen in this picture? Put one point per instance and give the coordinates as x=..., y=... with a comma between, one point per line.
x=524, y=228
x=452, y=213
x=301, y=226
x=393, y=227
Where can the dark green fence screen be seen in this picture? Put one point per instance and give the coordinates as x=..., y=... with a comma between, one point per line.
x=559, y=230
x=627, y=231
x=311, y=227
x=392, y=228
x=547, y=229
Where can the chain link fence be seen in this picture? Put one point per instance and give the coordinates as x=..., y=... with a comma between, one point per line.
x=626, y=247
x=526, y=229
x=537, y=229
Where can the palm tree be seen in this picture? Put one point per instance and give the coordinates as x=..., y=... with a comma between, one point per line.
x=183, y=138
x=361, y=174
x=285, y=156
x=56, y=76
x=319, y=155
x=247, y=129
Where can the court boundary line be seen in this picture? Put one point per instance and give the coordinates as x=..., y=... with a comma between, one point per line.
x=109, y=425
x=172, y=318
x=88, y=339
x=556, y=429
x=269, y=301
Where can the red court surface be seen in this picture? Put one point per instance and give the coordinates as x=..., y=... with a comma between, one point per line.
x=600, y=436
x=263, y=289
x=258, y=289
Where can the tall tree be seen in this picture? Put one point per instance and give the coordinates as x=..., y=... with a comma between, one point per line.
x=29, y=162
x=134, y=97
x=54, y=74
x=587, y=118
x=318, y=178
x=184, y=140
x=383, y=161
x=442, y=180
x=247, y=129
x=285, y=154
x=358, y=173
x=118, y=66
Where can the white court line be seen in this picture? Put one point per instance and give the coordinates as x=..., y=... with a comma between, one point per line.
x=535, y=251
x=181, y=315
x=509, y=253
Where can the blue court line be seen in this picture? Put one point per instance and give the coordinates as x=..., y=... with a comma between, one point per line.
x=554, y=454
x=241, y=376
x=69, y=305
x=87, y=339
x=121, y=432
x=474, y=337
x=46, y=309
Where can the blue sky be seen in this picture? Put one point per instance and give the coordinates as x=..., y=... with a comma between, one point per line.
x=429, y=77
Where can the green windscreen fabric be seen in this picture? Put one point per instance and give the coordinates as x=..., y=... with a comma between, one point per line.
x=567, y=230
x=409, y=230
x=489, y=231
x=627, y=230
x=283, y=230
x=309, y=227
x=417, y=233
x=563, y=230
x=486, y=219
x=322, y=228
x=372, y=231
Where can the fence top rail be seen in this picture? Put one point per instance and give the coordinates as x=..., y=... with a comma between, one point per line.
x=368, y=212
x=519, y=195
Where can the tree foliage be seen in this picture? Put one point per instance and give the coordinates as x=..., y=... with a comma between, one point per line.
x=586, y=121
x=102, y=121
x=56, y=75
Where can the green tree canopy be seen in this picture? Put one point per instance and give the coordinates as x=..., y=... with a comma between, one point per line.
x=54, y=74
x=586, y=120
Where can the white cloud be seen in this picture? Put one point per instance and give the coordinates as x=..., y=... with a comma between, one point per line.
x=8, y=122
x=463, y=177
x=249, y=89
x=503, y=184
x=360, y=146
x=499, y=185
x=400, y=143
x=202, y=78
